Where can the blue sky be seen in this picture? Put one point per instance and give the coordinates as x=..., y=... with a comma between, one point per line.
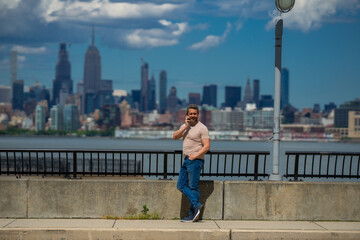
x=197, y=42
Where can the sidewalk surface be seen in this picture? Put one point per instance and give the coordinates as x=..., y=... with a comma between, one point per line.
x=174, y=229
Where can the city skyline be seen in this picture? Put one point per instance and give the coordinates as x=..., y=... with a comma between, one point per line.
x=204, y=43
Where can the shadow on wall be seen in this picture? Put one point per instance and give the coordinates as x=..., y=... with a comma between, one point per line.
x=206, y=188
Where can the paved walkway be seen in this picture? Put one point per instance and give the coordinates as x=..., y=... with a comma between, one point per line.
x=173, y=229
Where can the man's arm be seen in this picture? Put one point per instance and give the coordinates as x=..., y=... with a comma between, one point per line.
x=203, y=150
x=179, y=133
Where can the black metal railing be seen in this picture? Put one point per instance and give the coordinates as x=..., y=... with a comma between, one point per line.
x=322, y=165
x=127, y=163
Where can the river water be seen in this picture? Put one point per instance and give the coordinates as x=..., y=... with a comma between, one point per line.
x=99, y=143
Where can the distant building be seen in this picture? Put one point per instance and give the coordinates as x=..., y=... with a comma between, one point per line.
x=62, y=81
x=329, y=107
x=342, y=113
x=18, y=95
x=172, y=101
x=71, y=118
x=284, y=97
x=354, y=124
x=5, y=94
x=92, y=76
x=232, y=96
x=194, y=98
x=136, y=94
x=210, y=95
x=144, y=96
x=259, y=119
x=40, y=114
x=152, y=94
x=110, y=116
x=256, y=92
x=162, y=91
x=13, y=69
x=248, y=98
x=266, y=101
x=57, y=118
x=227, y=119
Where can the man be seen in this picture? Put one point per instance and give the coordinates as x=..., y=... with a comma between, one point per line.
x=196, y=143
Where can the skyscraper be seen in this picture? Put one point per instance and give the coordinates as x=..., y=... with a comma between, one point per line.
x=13, y=68
x=284, y=97
x=232, y=96
x=172, y=100
x=92, y=75
x=57, y=118
x=144, y=98
x=62, y=81
x=210, y=95
x=18, y=94
x=162, y=91
x=256, y=92
x=248, y=98
x=194, y=98
x=71, y=118
x=152, y=94
x=40, y=118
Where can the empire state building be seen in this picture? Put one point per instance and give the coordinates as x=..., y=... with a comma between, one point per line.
x=92, y=76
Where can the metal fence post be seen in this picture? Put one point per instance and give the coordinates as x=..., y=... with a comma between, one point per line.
x=75, y=165
x=296, y=167
x=256, y=167
x=165, y=166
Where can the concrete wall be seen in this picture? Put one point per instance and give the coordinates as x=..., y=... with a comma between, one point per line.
x=292, y=200
x=62, y=198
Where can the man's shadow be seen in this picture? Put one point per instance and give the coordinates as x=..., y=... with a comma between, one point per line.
x=206, y=188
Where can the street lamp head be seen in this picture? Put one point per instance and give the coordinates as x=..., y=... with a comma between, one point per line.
x=284, y=6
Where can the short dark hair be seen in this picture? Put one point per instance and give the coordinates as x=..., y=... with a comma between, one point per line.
x=192, y=106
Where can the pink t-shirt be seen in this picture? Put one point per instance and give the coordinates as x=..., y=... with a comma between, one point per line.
x=192, y=139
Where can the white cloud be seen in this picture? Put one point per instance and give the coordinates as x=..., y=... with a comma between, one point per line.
x=29, y=50
x=211, y=40
x=157, y=37
x=53, y=10
x=307, y=15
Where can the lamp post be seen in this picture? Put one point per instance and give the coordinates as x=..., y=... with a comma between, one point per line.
x=283, y=6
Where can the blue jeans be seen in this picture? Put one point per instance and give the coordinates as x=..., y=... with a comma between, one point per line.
x=188, y=182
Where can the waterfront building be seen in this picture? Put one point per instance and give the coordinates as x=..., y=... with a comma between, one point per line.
x=342, y=113
x=266, y=101
x=354, y=124
x=144, y=96
x=104, y=95
x=40, y=114
x=210, y=95
x=57, y=118
x=71, y=117
x=329, y=107
x=62, y=81
x=259, y=119
x=18, y=95
x=232, y=96
x=194, y=98
x=284, y=97
x=162, y=91
x=110, y=116
x=256, y=92
x=227, y=119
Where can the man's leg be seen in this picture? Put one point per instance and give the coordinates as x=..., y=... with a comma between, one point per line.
x=194, y=170
x=182, y=186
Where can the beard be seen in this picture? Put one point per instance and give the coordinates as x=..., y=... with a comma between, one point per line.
x=193, y=119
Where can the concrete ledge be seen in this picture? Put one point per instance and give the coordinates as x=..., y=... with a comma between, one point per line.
x=291, y=200
x=293, y=235
x=13, y=198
